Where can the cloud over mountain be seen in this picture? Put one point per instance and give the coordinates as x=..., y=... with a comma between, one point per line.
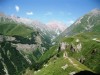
x=17, y=8
x=29, y=13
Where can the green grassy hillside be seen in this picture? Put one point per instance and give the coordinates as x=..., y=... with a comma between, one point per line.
x=89, y=53
x=56, y=67
x=75, y=61
x=11, y=29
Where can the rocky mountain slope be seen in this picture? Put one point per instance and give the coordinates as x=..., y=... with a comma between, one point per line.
x=90, y=22
x=18, y=40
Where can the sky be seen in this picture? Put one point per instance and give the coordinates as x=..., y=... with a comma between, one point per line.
x=66, y=11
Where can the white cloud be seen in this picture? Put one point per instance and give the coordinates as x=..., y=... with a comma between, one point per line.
x=17, y=8
x=48, y=13
x=70, y=22
x=29, y=13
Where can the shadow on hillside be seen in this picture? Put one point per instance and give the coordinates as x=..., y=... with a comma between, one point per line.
x=86, y=73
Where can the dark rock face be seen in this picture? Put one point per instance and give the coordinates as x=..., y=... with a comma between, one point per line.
x=72, y=48
x=94, y=51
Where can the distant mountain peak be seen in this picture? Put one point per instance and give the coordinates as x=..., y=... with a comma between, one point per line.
x=89, y=22
x=53, y=25
x=95, y=11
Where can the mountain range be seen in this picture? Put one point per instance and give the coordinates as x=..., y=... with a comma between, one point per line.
x=30, y=47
